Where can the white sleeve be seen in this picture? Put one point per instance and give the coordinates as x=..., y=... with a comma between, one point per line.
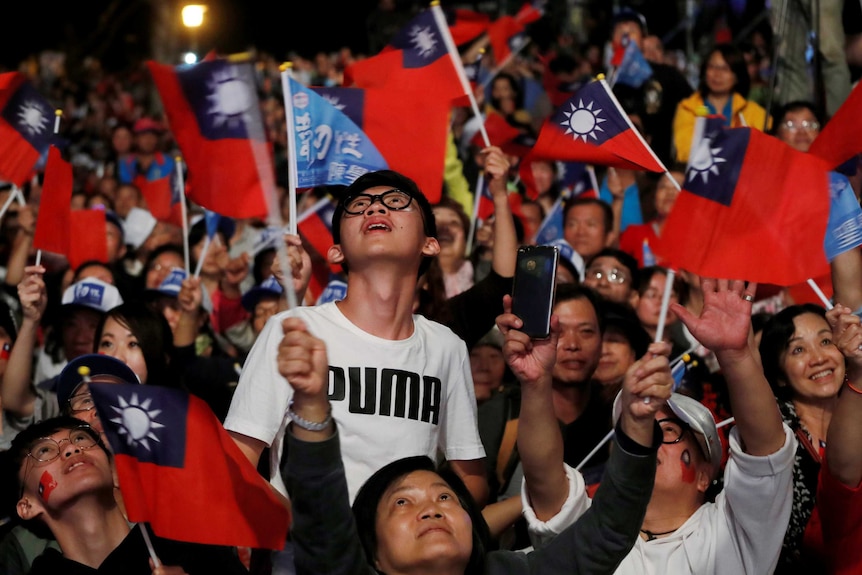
x=459, y=431
x=262, y=394
x=758, y=492
x=576, y=504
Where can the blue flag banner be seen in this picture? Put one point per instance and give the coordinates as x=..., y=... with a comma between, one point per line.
x=552, y=226
x=844, y=226
x=331, y=149
x=634, y=69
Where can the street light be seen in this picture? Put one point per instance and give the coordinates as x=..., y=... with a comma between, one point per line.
x=193, y=18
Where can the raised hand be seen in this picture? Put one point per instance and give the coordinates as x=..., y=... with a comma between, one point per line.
x=847, y=334
x=302, y=361
x=190, y=295
x=528, y=359
x=725, y=320
x=497, y=169
x=32, y=293
x=648, y=377
x=300, y=265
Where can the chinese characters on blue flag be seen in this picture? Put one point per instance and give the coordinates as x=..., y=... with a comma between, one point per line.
x=26, y=127
x=752, y=208
x=180, y=471
x=214, y=115
x=330, y=149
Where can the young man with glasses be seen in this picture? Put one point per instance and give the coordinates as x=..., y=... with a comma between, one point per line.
x=614, y=275
x=399, y=384
x=64, y=476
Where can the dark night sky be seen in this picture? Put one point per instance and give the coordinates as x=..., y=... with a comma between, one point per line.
x=231, y=26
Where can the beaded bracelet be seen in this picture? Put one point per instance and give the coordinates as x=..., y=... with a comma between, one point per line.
x=304, y=423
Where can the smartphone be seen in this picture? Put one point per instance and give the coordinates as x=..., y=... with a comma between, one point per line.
x=533, y=288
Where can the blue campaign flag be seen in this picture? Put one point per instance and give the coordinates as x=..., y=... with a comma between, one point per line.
x=844, y=226
x=678, y=372
x=331, y=149
x=634, y=69
x=552, y=226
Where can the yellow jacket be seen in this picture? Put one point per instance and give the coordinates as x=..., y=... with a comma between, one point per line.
x=686, y=113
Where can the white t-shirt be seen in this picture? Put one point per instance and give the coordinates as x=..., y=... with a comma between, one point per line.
x=741, y=532
x=390, y=399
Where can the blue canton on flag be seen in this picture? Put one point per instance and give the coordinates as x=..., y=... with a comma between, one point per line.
x=223, y=97
x=590, y=116
x=330, y=148
x=552, y=226
x=844, y=227
x=714, y=166
x=420, y=41
x=145, y=422
x=31, y=115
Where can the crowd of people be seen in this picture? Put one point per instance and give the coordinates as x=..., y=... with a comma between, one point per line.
x=696, y=425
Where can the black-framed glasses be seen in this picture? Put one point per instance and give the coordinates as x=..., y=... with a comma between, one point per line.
x=47, y=449
x=393, y=199
x=614, y=275
x=808, y=126
x=81, y=402
x=672, y=430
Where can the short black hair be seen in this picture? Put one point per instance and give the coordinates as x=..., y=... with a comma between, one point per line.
x=372, y=492
x=607, y=211
x=736, y=60
x=395, y=180
x=567, y=291
x=622, y=319
x=794, y=106
x=629, y=15
x=625, y=259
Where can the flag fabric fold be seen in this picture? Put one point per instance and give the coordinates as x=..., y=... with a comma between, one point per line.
x=408, y=127
x=751, y=208
x=839, y=139
x=591, y=127
x=180, y=471
x=214, y=115
x=466, y=25
x=52, y=232
x=506, y=34
x=163, y=197
x=87, y=235
x=26, y=127
x=329, y=148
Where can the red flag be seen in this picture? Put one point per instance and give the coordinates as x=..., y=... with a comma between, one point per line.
x=315, y=225
x=26, y=127
x=466, y=25
x=180, y=471
x=162, y=199
x=416, y=58
x=839, y=140
x=591, y=127
x=53, y=221
x=408, y=127
x=87, y=237
x=214, y=114
x=506, y=33
x=751, y=208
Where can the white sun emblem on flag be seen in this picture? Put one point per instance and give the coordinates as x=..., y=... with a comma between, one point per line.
x=423, y=40
x=583, y=121
x=704, y=161
x=230, y=98
x=136, y=421
x=32, y=119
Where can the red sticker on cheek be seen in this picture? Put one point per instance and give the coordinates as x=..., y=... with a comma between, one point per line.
x=688, y=471
x=46, y=485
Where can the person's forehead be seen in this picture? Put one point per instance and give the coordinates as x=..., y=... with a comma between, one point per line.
x=586, y=212
x=616, y=335
x=375, y=190
x=607, y=262
x=578, y=310
x=800, y=114
x=445, y=212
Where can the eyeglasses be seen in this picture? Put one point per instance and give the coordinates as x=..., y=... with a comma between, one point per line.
x=394, y=199
x=614, y=275
x=81, y=402
x=672, y=430
x=47, y=449
x=793, y=126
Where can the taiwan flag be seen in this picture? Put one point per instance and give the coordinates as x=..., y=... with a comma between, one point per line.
x=409, y=128
x=53, y=221
x=214, y=114
x=315, y=227
x=417, y=57
x=180, y=471
x=26, y=127
x=466, y=25
x=506, y=34
x=839, y=140
x=87, y=233
x=591, y=127
x=329, y=148
x=163, y=197
x=752, y=208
